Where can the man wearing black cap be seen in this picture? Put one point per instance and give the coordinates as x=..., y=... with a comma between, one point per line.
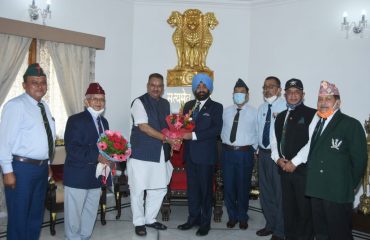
x=27, y=132
x=289, y=136
x=239, y=141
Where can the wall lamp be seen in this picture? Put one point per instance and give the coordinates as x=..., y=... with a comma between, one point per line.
x=35, y=11
x=353, y=27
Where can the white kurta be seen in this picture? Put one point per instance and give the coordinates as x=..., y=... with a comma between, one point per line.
x=145, y=174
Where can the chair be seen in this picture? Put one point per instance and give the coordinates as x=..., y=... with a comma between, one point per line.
x=55, y=193
x=121, y=188
x=177, y=188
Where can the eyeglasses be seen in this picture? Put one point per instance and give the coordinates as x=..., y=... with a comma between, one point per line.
x=269, y=87
x=97, y=100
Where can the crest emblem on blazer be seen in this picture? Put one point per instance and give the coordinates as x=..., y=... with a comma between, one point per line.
x=335, y=143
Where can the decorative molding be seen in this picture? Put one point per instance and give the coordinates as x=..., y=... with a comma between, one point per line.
x=31, y=30
x=223, y=3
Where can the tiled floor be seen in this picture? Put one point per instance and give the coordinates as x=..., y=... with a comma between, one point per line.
x=123, y=228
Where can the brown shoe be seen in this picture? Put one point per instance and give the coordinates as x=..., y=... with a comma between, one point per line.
x=231, y=223
x=263, y=232
x=243, y=225
x=274, y=237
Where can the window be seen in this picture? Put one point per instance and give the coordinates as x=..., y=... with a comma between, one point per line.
x=53, y=96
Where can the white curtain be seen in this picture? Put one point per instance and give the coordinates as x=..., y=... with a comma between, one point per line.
x=73, y=67
x=13, y=50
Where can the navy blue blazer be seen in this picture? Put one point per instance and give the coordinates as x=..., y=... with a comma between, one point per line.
x=208, y=126
x=80, y=140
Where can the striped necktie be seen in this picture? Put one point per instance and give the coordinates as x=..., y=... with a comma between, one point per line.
x=266, y=128
x=317, y=132
x=234, y=128
x=196, y=110
x=283, y=135
x=100, y=129
x=48, y=130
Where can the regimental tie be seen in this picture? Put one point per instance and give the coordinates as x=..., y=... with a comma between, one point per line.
x=100, y=129
x=235, y=126
x=317, y=132
x=196, y=110
x=283, y=134
x=48, y=131
x=266, y=128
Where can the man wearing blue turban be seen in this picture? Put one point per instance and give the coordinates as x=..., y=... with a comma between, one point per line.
x=200, y=153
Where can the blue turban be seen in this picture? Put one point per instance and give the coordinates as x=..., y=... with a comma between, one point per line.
x=204, y=78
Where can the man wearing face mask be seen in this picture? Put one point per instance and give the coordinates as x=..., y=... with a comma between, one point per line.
x=336, y=157
x=268, y=176
x=239, y=141
x=81, y=188
x=289, y=135
x=200, y=153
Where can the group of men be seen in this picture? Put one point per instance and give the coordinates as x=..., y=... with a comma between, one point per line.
x=310, y=161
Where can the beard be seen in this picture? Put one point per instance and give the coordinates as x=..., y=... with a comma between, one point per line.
x=202, y=95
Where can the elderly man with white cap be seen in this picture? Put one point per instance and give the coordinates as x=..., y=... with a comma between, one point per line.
x=200, y=153
x=336, y=160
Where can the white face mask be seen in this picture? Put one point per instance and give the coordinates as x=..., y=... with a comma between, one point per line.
x=239, y=98
x=270, y=100
x=92, y=110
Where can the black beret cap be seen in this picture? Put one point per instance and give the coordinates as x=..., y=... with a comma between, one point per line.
x=294, y=83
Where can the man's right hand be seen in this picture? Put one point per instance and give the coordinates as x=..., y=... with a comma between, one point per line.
x=281, y=162
x=9, y=180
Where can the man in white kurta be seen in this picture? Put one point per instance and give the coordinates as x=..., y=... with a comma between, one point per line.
x=148, y=169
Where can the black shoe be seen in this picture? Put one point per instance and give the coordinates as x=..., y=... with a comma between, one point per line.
x=231, y=223
x=274, y=237
x=140, y=230
x=185, y=226
x=263, y=232
x=157, y=225
x=202, y=231
x=243, y=225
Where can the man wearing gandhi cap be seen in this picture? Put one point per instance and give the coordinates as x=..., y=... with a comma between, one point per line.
x=81, y=188
x=200, y=151
x=239, y=141
x=336, y=160
x=27, y=132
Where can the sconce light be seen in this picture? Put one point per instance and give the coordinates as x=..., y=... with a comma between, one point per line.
x=352, y=27
x=35, y=12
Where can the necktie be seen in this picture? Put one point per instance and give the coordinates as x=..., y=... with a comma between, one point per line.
x=266, y=128
x=98, y=120
x=196, y=110
x=317, y=132
x=235, y=126
x=283, y=135
x=48, y=130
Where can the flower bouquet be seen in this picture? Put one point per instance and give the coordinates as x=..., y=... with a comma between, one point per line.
x=178, y=125
x=115, y=148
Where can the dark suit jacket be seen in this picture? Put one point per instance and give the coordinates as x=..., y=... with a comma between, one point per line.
x=208, y=126
x=80, y=140
x=337, y=161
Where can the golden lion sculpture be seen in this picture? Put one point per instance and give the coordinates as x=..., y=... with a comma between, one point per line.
x=192, y=37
